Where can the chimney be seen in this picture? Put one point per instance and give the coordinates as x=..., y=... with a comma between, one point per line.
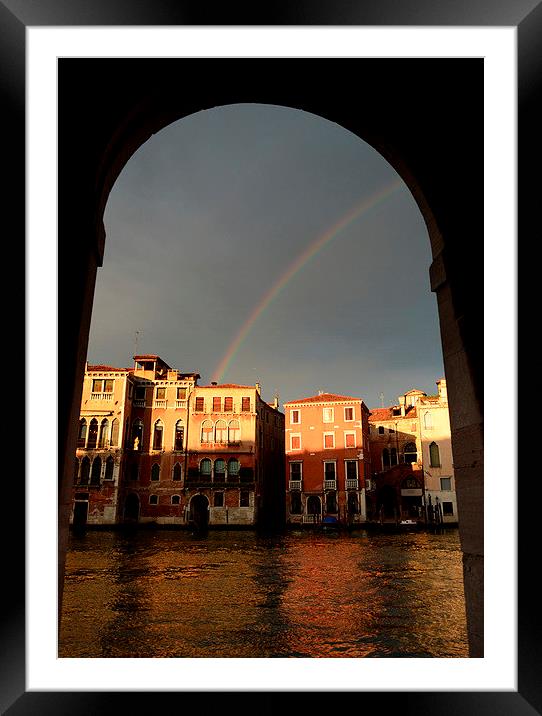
x=259, y=388
x=213, y=382
x=276, y=402
x=402, y=404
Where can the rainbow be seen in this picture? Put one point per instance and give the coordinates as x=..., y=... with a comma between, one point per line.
x=365, y=205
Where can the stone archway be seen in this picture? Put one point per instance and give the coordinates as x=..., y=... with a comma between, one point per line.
x=117, y=104
x=131, y=508
x=199, y=512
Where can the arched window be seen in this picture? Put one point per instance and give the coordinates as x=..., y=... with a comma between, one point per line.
x=220, y=470
x=175, y=499
x=137, y=434
x=205, y=467
x=234, y=432
x=85, y=471
x=158, y=435
x=233, y=467
x=410, y=453
x=178, y=440
x=427, y=421
x=96, y=473
x=177, y=471
x=155, y=471
x=353, y=503
x=385, y=459
x=296, y=507
x=207, y=431
x=153, y=499
x=92, y=434
x=104, y=433
x=434, y=455
x=82, y=437
x=331, y=502
x=114, y=433
x=221, y=432
x=109, y=465
x=75, y=471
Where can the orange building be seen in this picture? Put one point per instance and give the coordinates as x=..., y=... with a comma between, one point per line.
x=154, y=447
x=327, y=459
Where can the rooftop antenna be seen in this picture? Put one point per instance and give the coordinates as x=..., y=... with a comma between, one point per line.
x=382, y=399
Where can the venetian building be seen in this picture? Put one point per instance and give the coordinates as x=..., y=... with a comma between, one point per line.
x=327, y=459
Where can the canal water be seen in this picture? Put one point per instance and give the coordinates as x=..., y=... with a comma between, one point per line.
x=237, y=594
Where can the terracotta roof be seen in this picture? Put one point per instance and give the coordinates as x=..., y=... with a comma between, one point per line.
x=381, y=414
x=323, y=398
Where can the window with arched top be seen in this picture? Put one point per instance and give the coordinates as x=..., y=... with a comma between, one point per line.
x=234, y=432
x=233, y=466
x=205, y=466
x=109, y=467
x=434, y=455
x=85, y=471
x=92, y=434
x=137, y=434
x=410, y=453
x=178, y=439
x=207, y=431
x=158, y=435
x=221, y=431
x=220, y=470
x=177, y=471
x=114, y=433
x=82, y=436
x=96, y=472
x=104, y=433
x=155, y=471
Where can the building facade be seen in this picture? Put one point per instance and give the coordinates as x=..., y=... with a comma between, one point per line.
x=327, y=459
x=412, y=463
x=155, y=447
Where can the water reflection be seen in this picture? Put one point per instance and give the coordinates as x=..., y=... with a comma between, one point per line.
x=236, y=594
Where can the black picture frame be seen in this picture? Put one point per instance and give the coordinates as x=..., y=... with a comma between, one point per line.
x=15, y=16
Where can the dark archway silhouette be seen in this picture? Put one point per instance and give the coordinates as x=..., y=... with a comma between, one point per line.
x=131, y=508
x=425, y=116
x=199, y=513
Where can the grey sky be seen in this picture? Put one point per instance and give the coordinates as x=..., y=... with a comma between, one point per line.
x=210, y=213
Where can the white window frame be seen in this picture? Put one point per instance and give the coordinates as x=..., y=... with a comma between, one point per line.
x=357, y=470
x=350, y=432
x=324, y=435
x=332, y=419
x=349, y=420
x=292, y=421
x=296, y=462
x=333, y=462
x=296, y=435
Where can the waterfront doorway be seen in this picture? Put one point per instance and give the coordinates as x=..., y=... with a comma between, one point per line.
x=131, y=508
x=199, y=512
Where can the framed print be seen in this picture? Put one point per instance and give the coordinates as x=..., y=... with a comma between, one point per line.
x=108, y=97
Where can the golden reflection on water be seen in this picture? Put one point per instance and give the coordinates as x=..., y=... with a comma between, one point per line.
x=235, y=594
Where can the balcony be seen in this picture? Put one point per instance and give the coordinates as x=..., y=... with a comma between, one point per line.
x=294, y=485
x=180, y=404
x=352, y=484
x=107, y=397
x=140, y=403
x=330, y=484
x=160, y=404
